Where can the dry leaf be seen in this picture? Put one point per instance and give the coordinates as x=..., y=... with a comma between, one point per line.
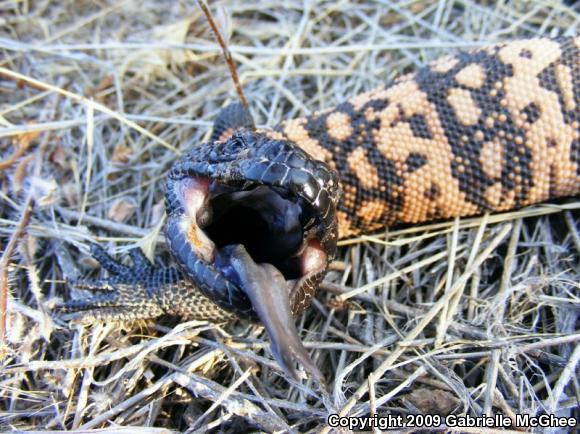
x=44, y=191
x=28, y=247
x=71, y=193
x=431, y=401
x=23, y=140
x=122, y=209
x=157, y=212
x=63, y=381
x=17, y=327
x=88, y=262
x=104, y=84
x=155, y=62
x=122, y=154
x=59, y=158
x=20, y=173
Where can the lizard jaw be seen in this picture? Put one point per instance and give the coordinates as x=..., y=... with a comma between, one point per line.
x=210, y=210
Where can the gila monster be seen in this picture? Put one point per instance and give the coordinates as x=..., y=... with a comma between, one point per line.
x=254, y=215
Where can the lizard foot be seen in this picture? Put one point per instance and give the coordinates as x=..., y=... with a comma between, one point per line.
x=128, y=293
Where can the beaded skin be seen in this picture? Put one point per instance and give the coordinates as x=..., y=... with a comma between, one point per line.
x=491, y=129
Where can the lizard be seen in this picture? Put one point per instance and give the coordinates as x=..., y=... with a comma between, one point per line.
x=253, y=216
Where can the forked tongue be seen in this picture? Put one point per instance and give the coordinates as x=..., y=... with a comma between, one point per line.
x=268, y=292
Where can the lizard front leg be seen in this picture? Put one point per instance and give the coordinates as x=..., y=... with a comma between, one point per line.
x=141, y=291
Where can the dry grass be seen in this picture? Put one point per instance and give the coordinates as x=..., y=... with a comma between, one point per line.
x=97, y=99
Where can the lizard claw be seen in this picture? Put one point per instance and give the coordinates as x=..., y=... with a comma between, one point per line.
x=129, y=293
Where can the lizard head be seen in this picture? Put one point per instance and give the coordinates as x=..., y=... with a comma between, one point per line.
x=252, y=222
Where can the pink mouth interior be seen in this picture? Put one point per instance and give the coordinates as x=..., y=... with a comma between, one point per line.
x=218, y=218
x=261, y=242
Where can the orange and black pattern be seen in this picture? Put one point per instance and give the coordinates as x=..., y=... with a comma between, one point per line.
x=486, y=130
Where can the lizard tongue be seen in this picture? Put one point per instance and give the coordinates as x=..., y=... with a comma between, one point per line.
x=268, y=292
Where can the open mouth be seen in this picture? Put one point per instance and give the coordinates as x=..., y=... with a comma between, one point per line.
x=272, y=225
x=259, y=240
x=251, y=221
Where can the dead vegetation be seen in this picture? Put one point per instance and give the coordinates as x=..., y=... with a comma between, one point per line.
x=98, y=99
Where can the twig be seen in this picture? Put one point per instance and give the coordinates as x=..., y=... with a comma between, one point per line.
x=567, y=374
x=16, y=236
x=87, y=102
x=567, y=339
x=12, y=158
x=387, y=363
x=225, y=51
x=160, y=385
x=111, y=430
x=491, y=381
